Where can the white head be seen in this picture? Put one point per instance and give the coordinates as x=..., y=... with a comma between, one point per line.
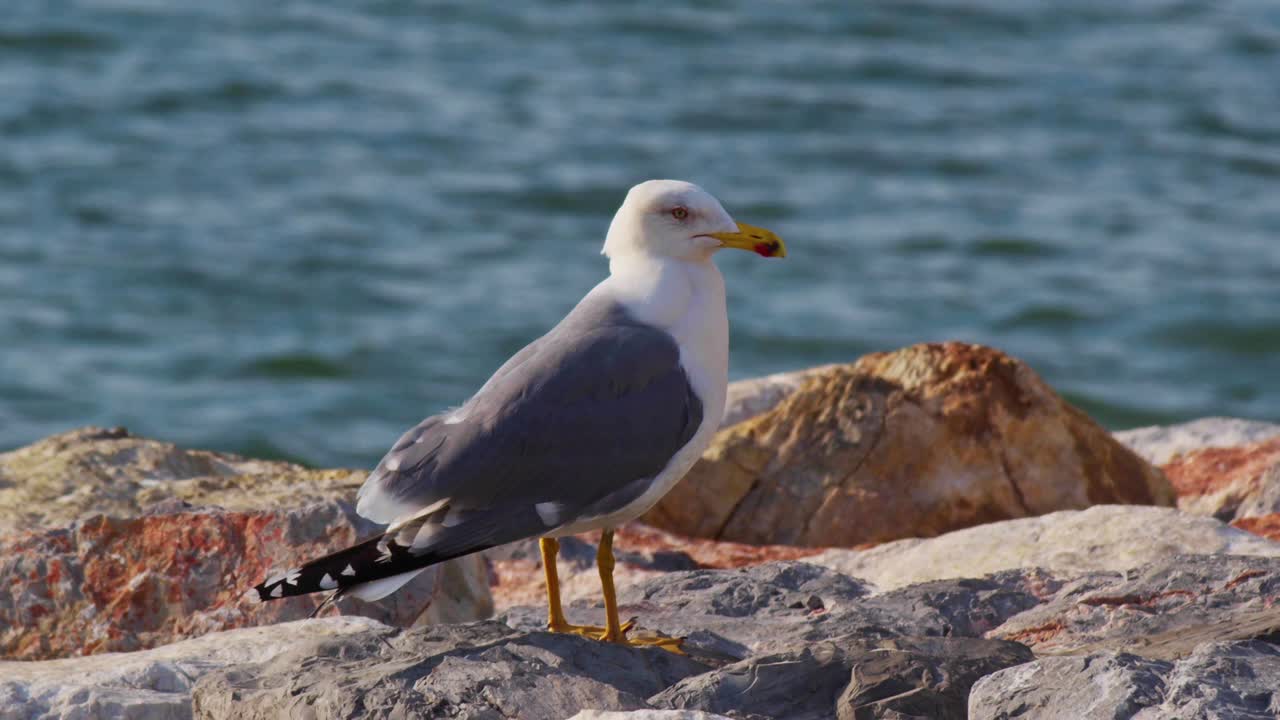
x=676, y=219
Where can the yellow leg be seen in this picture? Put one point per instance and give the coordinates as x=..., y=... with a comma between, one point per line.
x=604, y=562
x=614, y=631
x=555, y=613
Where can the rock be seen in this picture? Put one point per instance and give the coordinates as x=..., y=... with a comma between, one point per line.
x=748, y=398
x=1147, y=580
x=731, y=615
x=1225, y=467
x=1066, y=543
x=895, y=631
x=642, y=552
x=1218, y=681
x=1229, y=483
x=97, y=471
x=159, y=568
x=153, y=683
x=913, y=443
x=1161, y=611
x=1111, y=686
x=1159, y=444
x=782, y=639
x=1267, y=526
x=710, y=605
x=851, y=678
x=488, y=669
x=112, y=584
x=482, y=670
x=914, y=648
x=648, y=715
x=1265, y=500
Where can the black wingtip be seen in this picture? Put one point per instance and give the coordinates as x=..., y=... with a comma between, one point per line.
x=373, y=559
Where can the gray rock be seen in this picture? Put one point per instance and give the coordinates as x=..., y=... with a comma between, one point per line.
x=1218, y=681
x=851, y=678
x=480, y=670
x=765, y=619
x=1221, y=681
x=726, y=614
x=1110, y=685
x=151, y=684
x=784, y=639
x=1163, y=611
x=1067, y=543
x=733, y=614
x=1158, y=444
x=647, y=715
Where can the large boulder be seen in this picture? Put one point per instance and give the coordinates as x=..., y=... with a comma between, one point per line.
x=755, y=396
x=107, y=471
x=1103, y=538
x=908, y=650
x=483, y=670
x=105, y=550
x=782, y=639
x=1147, y=580
x=853, y=677
x=1217, y=681
x=1225, y=467
x=154, y=544
x=154, y=683
x=1229, y=483
x=648, y=715
x=912, y=443
x=1159, y=444
x=1104, y=592
x=1162, y=611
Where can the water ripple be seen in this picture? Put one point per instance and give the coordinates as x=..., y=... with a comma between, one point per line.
x=262, y=226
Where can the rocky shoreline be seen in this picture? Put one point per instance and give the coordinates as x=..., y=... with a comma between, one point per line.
x=930, y=533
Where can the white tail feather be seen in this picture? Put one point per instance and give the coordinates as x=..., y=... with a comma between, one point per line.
x=378, y=589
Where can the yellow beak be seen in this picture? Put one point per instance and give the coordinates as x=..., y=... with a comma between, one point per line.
x=764, y=243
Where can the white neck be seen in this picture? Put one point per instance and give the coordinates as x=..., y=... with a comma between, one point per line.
x=686, y=299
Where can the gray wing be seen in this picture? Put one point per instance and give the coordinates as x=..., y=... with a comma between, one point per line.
x=593, y=409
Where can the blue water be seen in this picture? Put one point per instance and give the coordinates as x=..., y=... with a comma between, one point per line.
x=293, y=229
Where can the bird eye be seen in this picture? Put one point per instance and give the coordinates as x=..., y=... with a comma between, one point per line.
x=680, y=213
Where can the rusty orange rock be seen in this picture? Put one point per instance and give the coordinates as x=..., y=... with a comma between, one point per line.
x=116, y=584
x=911, y=443
x=1228, y=482
x=1267, y=526
x=102, y=548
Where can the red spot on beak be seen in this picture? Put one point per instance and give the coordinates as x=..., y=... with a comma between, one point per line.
x=765, y=249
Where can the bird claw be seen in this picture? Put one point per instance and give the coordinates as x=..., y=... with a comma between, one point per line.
x=595, y=632
x=670, y=644
x=622, y=632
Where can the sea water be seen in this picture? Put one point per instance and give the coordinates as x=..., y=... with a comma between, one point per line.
x=294, y=229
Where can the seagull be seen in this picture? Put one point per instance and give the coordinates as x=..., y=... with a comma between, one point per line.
x=584, y=429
